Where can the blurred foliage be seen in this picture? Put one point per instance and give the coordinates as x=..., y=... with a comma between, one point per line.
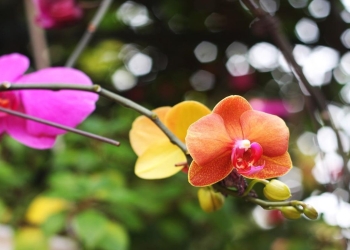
x=109, y=207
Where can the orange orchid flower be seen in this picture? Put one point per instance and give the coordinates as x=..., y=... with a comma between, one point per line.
x=236, y=137
x=157, y=156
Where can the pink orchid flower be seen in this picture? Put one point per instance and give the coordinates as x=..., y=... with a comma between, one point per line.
x=67, y=107
x=57, y=13
x=236, y=137
x=271, y=106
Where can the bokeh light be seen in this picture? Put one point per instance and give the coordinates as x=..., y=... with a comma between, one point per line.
x=270, y=6
x=202, y=80
x=318, y=65
x=307, y=143
x=307, y=30
x=140, y=64
x=133, y=14
x=263, y=56
x=319, y=8
x=298, y=3
x=123, y=80
x=206, y=52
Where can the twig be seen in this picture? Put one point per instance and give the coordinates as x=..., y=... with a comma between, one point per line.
x=274, y=28
x=37, y=38
x=60, y=126
x=6, y=86
x=89, y=32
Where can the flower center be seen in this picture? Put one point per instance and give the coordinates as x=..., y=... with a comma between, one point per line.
x=8, y=101
x=245, y=156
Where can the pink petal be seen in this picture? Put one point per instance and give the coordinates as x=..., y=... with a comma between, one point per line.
x=16, y=128
x=2, y=125
x=67, y=107
x=58, y=13
x=207, y=139
x=12, y=66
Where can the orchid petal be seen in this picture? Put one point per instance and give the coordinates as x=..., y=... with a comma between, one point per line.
x=274, y=167
x=144, y=132
x=182, y=115
x=207, y=139
x=269, y=131
x=12, y=66
x=67, y=107
x=159, y=161
x=2, y=125
x=16, y=128
x=230, y=109
x=211, y=172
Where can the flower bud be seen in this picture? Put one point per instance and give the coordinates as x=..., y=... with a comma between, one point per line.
x=209, y=200
x=276, y=190
x=290, y=213
x=310, y=212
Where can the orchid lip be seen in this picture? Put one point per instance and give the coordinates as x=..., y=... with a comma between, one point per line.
x=245, y=155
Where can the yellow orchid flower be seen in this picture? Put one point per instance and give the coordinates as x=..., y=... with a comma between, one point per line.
x=43, y=207
x=158, y=157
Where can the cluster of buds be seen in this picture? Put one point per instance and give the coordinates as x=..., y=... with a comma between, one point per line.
x=276, y=190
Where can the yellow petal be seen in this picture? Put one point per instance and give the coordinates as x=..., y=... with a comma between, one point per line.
x=144, y=132
x=43, y=207
x=182, y=115
x=159, y=160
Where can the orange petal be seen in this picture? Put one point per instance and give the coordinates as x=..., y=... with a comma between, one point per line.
x=274, y=167
x=230, y=109
x=207, y=139
x=182, y=115
x=144, y=132
x=268, y=130
x=159, y=160
x=210, y=173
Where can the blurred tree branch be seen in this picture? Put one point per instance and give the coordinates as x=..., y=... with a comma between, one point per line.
x=273, y=26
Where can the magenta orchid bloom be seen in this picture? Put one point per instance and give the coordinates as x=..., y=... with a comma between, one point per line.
x=271, y=106
x=67, y=107
x=57, y=13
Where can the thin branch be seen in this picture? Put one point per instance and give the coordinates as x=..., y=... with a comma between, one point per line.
x=273, y=26
x=37, y=38
x=60, y=126
x=89, y=32
x=6, y=86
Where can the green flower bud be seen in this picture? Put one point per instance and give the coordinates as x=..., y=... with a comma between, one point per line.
x=209, y=200
x=276, y=190
x=290, y=213
x=310, y=212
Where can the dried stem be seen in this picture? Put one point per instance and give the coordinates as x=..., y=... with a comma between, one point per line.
x=89, y=32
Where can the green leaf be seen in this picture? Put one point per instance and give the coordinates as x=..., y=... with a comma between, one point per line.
x=90, y=227
x=115, y=238
x=54, y=224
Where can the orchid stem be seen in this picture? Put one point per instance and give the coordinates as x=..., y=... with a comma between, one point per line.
x=6, y=86
x=60, y=126
x=275, y=204
x=299, y=205
x=252, y=184
x=89, y=32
